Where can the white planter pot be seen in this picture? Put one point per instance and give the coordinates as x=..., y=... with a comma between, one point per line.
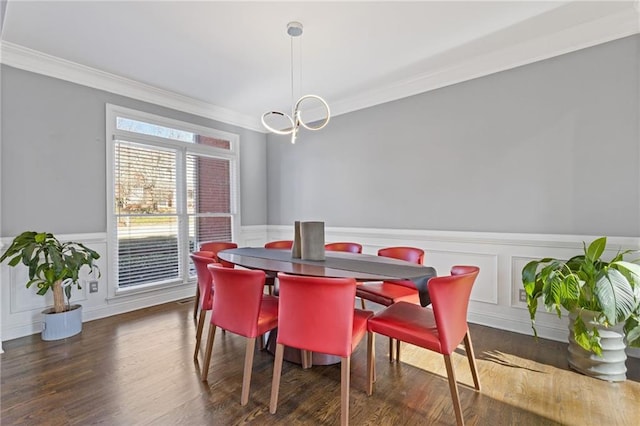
x=611, y=366
x=61, y=325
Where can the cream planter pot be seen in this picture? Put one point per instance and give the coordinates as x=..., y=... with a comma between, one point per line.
x=611, y=366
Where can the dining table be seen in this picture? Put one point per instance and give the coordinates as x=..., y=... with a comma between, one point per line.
x=361, y=267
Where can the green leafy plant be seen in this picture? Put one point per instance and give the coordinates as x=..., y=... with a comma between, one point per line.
x=51, y=264
x=587, y=282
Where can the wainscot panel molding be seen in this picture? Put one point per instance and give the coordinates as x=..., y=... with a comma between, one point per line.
x=494, y=301
x=253, y=236
x=21, y=307
x=500, y=256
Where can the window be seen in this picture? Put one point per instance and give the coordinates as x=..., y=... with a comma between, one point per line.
x=172, y=185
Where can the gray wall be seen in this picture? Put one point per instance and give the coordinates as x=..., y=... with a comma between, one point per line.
x=53, y=155
x=551, y=147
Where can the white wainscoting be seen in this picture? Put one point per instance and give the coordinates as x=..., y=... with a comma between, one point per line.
x=500, y=256
x=253, y=236
x=494, y=301
x=21, y=307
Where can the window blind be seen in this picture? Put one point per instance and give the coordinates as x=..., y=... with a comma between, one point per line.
x=146, y=214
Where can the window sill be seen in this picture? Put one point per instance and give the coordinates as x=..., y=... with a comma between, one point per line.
x=150, y=289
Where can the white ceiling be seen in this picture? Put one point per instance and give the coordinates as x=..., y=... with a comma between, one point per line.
x=236, y=55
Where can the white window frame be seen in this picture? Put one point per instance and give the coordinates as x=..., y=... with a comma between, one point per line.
x=232, y=154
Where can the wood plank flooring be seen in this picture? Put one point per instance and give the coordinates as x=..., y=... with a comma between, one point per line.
x=137, y=369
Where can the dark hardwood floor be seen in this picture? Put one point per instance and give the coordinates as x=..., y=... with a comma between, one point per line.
x=137, y=369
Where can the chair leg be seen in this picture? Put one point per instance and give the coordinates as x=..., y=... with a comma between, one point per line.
x=196, y=303
x=397, y=350
x=248, y=364
x=306, y=359
x=371, y=362
x=207, y=355
x=345, y=367
x=453, y=387
x=362, y=303
x=472, y=360
x=390, y=349
x=201, y=321
x=275, y=383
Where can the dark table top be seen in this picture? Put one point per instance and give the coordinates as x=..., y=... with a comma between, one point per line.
x=362, y=267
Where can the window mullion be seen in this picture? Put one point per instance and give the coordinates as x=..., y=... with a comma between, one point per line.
x=183, y=218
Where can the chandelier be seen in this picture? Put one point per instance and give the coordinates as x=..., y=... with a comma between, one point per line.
x=294, y=121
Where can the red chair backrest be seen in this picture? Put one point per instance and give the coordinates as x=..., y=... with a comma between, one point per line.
x=215, y=247
x=238, y=296
x=200, y=260
x=410, y=254
x=316, y=313
x=450, y=301
x=281, y=244
x=463, y=269
x=344, y=246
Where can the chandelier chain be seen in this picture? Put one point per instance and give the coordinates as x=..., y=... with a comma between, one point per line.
x=292, y=85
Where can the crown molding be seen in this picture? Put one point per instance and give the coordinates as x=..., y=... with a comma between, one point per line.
x=591, y=33
x=31, y=60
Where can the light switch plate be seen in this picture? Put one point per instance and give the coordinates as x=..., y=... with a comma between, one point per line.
x=522, y=295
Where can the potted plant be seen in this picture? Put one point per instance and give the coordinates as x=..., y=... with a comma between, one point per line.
x=598, y=295
x=53, y=266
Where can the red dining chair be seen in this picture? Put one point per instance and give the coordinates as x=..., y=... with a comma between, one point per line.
x=270, y=280
x=387, y=293
x=241, y=307
x=213, y=247
x=344, y=246
x=279, y=244
x=316, y=314
x=440, y=329
x=205, y=295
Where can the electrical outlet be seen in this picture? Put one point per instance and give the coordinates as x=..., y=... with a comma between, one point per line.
x=522, y=296
x=93, y=286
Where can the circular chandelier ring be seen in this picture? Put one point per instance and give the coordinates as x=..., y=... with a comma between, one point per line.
x=276, y=131
x=298, y=113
